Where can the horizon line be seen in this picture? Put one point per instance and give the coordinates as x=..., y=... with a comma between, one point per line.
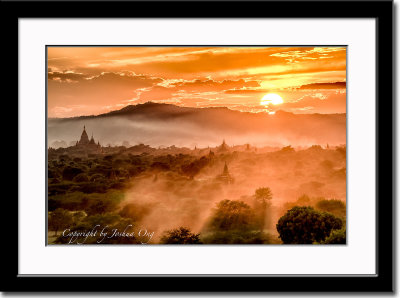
x=208, y=107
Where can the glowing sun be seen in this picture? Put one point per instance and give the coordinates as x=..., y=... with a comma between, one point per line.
x=271, y=98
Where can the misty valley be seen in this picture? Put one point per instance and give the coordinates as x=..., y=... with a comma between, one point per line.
x=247, y=192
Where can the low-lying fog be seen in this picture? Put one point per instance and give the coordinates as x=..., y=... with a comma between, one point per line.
x=165, y=125
x=169, y=200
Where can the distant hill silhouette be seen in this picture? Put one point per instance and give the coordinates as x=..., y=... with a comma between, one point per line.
x=167, y=124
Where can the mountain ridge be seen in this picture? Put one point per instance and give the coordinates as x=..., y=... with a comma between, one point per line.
x=167, y=124
x=153, y=105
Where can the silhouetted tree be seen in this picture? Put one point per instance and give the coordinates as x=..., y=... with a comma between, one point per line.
x=304, y=225
x=82, y=177
x=101, y=206
x=78, y=216
x=59, y=219
x=194, y=167
x=262, y=198
x=336, y=237
x=336, y=207
x=181, y=235
x=232, y=215
x=70, y=172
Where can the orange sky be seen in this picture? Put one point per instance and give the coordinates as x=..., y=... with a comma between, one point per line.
x=95, y=80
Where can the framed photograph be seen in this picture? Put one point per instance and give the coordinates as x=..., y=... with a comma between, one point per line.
x=168, y=145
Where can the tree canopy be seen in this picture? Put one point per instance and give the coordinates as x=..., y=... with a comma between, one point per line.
x=59, y=219
x=336, y=237
x=335, y=207
x=181, y=235
x=304, y=225
x=263, y=195
x=232, y=215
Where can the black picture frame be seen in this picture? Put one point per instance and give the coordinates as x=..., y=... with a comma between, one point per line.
x=382, y=11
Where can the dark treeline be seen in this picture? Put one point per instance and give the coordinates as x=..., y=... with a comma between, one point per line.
x=201, y=196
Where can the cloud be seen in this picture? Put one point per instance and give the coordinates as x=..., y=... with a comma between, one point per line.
x=107, y=77
x=68, y=76
x=247, y=91
x=154, y=93
x=70, y=89
x=295, y=56
x=336, y=85
x=193, y=90
x=321, y=102
x=211, y=85
x=66, y=111
x=209, y=61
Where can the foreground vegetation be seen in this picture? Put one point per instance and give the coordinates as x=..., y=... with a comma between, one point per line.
x=122, y=189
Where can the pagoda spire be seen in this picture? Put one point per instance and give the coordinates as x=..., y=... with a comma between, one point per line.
x=223, y=147
x=92, y=142
x=226, y=171
x=84, y=137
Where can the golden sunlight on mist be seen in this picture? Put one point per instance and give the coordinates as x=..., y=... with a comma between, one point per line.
x=271, y=98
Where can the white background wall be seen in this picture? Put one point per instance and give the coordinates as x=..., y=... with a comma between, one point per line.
x=397, y=228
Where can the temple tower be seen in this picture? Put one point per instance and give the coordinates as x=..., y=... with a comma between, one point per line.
x=84, y=137
x=92, y=142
